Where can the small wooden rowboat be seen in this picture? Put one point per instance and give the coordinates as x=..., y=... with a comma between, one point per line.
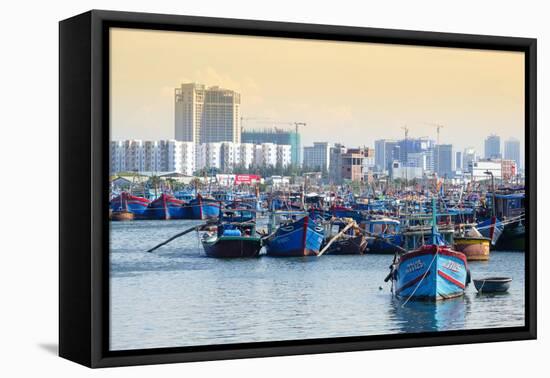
x=492, y=284
x=475, y=248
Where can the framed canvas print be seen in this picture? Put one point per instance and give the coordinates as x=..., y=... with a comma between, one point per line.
x=234, y=188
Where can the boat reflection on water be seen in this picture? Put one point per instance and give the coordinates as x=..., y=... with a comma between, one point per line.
x=427, y=316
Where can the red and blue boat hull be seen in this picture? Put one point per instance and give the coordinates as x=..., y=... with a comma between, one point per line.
x=166, y=207
x=300, y=238
x=431, y=272
x=127, y=202
x=201, y=208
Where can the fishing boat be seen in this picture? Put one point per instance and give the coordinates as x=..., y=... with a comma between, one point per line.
x=340, y=211
x=475, y=246
x=121, y=215
x=126, y=206
x=508, y=207
x=384, y=235
x=166, y=207
x=231, y=240
x=431, y=272
x=351, y=242
x=238, y=215
x=202, y=208
x=301, y=237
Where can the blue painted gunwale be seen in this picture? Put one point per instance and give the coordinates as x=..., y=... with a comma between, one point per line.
x=299, y=238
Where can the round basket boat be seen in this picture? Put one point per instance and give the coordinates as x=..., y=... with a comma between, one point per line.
x=492, y=284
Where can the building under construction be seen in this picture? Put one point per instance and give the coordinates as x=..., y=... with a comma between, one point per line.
x=276, y=136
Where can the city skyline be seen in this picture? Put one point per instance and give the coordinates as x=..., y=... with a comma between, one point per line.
x=370, y=90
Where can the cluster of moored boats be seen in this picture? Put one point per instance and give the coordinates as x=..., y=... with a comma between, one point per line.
x=431, y=237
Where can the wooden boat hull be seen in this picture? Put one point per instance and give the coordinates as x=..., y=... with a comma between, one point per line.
x=134, y=204
x=430, y=273
x=232, y=247
x=354, y=245
x=346, y=212
x=166, y=207
x=384, y=245
x=301, y=238
x=512, y=238
x=201, y=208
x=475, y=249
x=122, y=215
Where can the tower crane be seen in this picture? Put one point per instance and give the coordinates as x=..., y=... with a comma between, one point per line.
x=438, y=128
x=406, y=131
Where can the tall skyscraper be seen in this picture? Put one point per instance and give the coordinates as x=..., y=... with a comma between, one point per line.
x=444, y=160
x=207, y=115
x=386, y=152
x=458, y=160
x=492, y=147
x=511, y=151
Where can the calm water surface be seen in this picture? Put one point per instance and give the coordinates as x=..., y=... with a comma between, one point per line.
x=176, y=296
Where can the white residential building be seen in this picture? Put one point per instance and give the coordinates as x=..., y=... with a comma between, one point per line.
x=187, y=157
x=152, y=156
x=266, y=155
x=208, y=155
x=246, y=155
x=399, y=171
x=284, y=155
x=477, y=169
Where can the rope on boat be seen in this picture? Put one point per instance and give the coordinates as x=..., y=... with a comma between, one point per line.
x=422, y=279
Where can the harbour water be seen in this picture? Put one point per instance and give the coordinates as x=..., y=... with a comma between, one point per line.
x=176, y=296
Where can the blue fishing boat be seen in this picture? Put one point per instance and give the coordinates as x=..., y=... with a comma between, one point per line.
x=385, y=236
x=202, y=208
x=125, y=202
x=345, y=212
x=302, y=237
x=431, y=272
x=166, y=207
x=319, y=214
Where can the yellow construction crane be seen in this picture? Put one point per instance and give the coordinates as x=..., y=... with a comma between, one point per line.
x=297, y=124
x=438, y=128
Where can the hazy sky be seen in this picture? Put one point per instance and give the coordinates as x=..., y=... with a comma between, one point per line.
x=353, y=93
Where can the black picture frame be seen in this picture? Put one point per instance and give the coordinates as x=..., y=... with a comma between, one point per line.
x=83, y=227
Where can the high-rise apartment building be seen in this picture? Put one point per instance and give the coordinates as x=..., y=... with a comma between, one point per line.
x=386, y=153
x=458, y=160
x=492, y=147
x=317, y=157
x=443, y=154
x=511, y=151
x=207, y=114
